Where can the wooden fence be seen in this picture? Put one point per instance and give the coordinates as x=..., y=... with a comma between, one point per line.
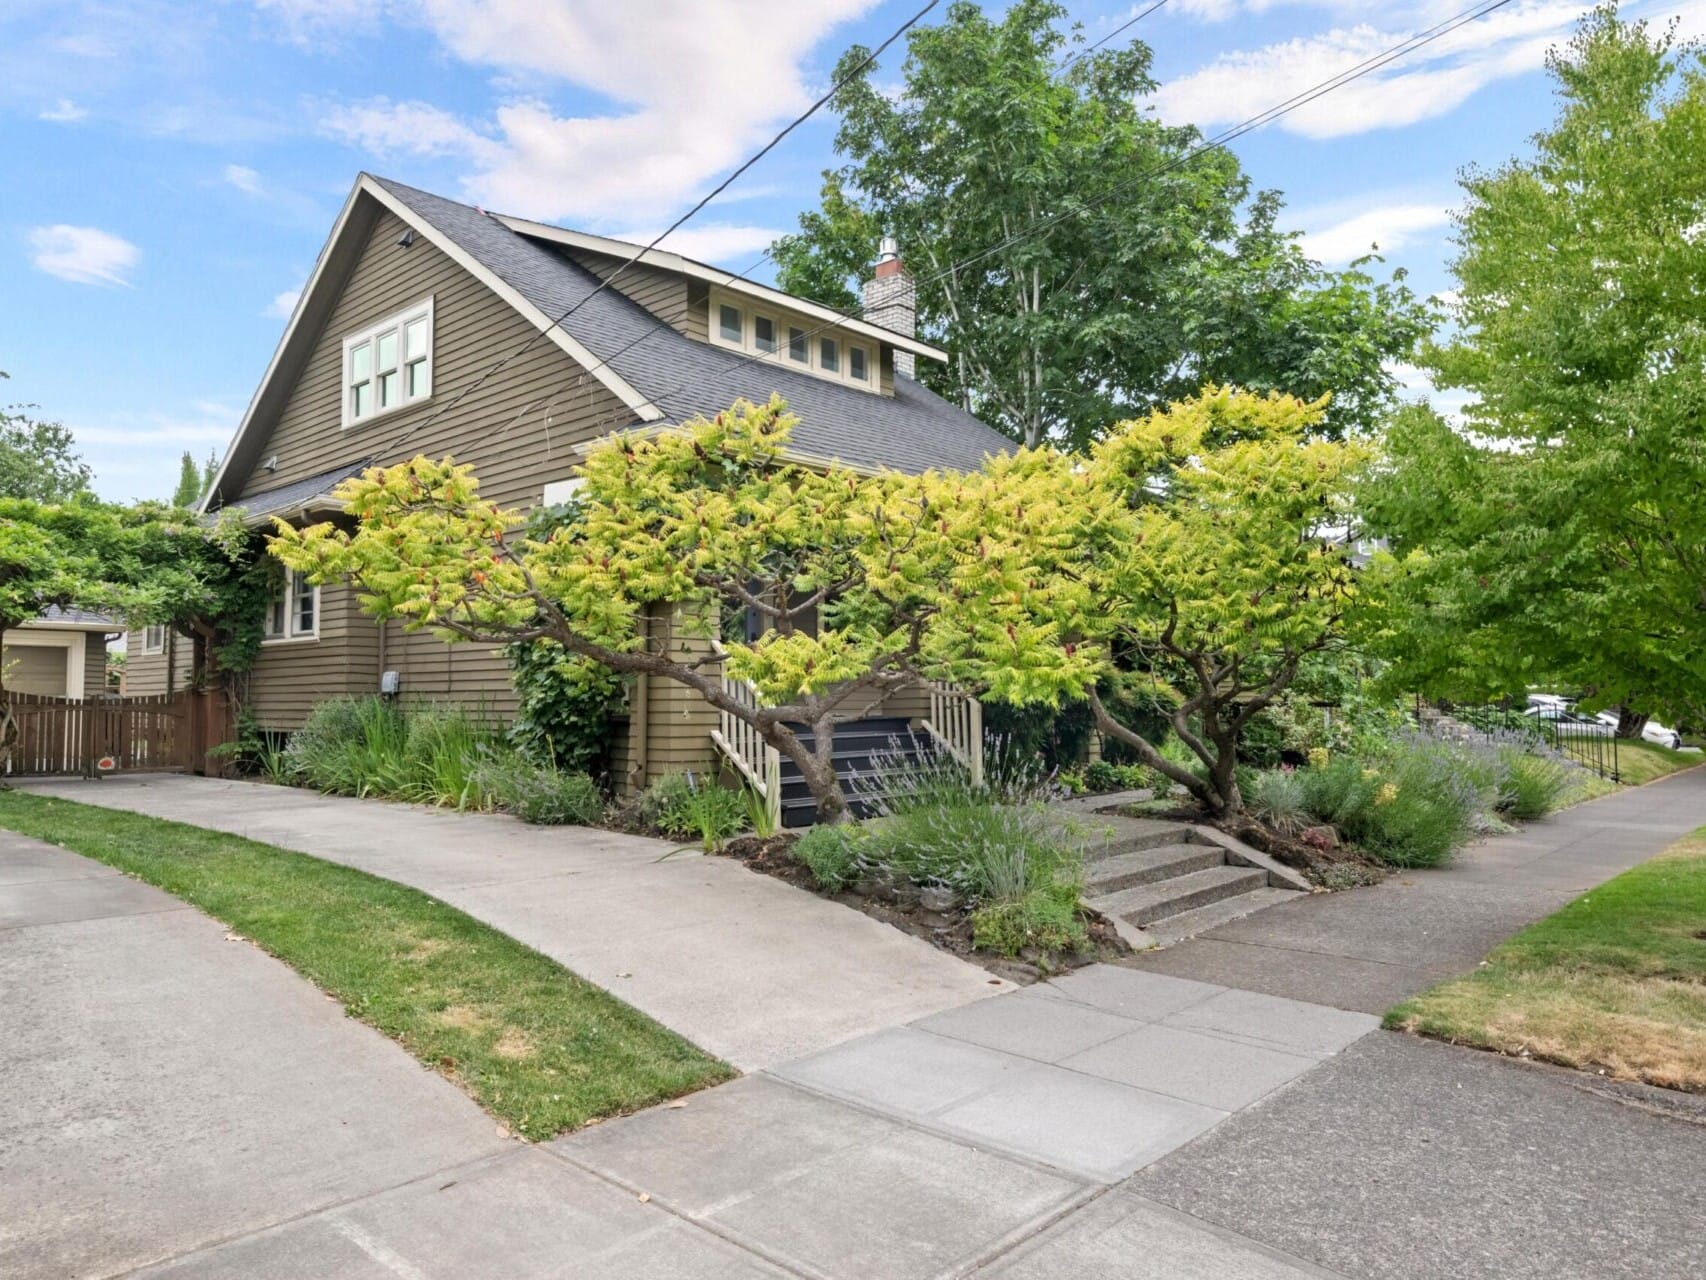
x=93, y=736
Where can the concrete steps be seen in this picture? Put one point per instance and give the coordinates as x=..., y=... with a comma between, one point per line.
x=1162, y=881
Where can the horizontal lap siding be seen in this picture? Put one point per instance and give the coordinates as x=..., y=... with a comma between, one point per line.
x=679, y=721
x=517, y=431
x=145, y=674
x=663, y=293
x=94, y=664
x=291, y=677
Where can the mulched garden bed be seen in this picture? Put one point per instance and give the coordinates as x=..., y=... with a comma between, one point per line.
x=950, y=931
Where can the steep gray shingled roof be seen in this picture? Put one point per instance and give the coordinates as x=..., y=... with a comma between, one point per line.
x=913, y=430
x=293, y=497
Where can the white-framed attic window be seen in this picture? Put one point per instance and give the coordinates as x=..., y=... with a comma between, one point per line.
x=294, y=611
x=388, y=365
x=773, y=334
x=154, y=639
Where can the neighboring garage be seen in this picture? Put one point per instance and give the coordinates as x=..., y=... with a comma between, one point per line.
x=62, y=654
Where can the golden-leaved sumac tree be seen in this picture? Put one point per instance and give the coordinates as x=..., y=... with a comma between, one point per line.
x=1203, y=545
x=853, y=578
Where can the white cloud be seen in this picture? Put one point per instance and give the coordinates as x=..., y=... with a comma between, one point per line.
x=715, y=243
x=83, y=255
x=64, y=111
x=389, y=128
x=1389, y=228
x=1427, y=83
x=283, y=304
x=700, y=82
x=207, y=423
x=243, y=178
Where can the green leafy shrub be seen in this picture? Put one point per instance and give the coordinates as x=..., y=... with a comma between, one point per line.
x=541, y=794
x=833, y=855
x=1104, y=775
x=568, y=708
x=1046, y=919
x=1414, y=807
x=685, y=807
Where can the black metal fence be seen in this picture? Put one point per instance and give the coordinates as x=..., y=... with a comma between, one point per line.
x=1587, y=742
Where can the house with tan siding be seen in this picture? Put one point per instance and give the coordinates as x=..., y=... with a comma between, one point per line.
x=432, y=327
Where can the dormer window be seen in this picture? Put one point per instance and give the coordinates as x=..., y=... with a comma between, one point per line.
x=731, y=325
x=388, y=365
x=787, y=337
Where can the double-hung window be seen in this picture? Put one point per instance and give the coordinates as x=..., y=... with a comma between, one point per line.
x=388, y=365
x=294, y=611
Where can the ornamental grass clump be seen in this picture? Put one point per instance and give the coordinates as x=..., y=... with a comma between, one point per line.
x=995, y=844
x=686, y=807
x=375, y=747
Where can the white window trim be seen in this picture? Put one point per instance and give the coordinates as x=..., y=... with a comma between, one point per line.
x=150, y=649
x=783, y=320
x=557, y=492
x=397, y=321
x=291, y=635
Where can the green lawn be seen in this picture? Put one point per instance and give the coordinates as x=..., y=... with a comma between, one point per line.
x=1614, y=982
x=538, y=1047
x=1637, y=762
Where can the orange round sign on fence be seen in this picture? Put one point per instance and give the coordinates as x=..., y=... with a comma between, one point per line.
x=106, y=764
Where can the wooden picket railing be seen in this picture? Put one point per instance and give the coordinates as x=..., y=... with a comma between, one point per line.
x=88, y=737
x=754, y=758
x=956, y=721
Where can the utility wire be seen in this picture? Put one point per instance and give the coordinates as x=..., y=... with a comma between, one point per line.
x=745, y=272
x=1301, y=99
x=718, y=190
x=1127, y=25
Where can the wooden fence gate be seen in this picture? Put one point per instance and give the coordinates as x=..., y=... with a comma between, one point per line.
x=93, y=736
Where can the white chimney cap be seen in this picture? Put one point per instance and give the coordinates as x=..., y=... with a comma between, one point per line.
x=888, y=249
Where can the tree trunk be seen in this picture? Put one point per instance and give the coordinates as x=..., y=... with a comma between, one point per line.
x=816, y=764
x=1630, y=722
x=1199, y=787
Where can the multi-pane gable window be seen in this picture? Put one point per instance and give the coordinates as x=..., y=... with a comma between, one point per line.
x=792, y=339
x=294, y=611
x=388, y=365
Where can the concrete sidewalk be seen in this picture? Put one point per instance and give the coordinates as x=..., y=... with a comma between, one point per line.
x=1369, y=948
x=744, y=966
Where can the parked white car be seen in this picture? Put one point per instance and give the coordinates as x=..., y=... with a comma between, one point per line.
x=1571, y=723
x=1652, y=731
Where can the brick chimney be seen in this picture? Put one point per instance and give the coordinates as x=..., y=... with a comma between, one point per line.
x=891, y=301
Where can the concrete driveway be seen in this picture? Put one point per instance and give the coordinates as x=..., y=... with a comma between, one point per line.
x=744, y=966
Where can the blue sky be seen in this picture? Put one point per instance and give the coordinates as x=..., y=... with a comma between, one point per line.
x=171, y=169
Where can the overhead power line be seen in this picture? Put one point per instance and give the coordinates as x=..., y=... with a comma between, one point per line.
x=716, y=191
x=1301, y=99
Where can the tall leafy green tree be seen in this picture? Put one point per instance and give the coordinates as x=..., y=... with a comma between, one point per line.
x=188, y=491
x=1564, y=529
x=1076, y=265
x=38, y=458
